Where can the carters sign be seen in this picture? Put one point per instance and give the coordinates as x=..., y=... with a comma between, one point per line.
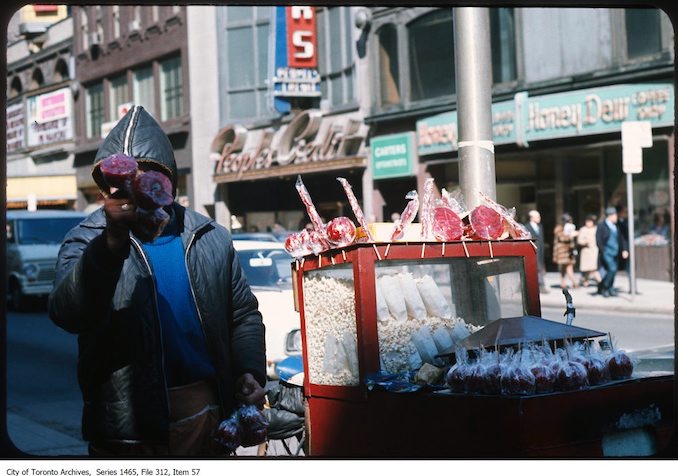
x=296, y=56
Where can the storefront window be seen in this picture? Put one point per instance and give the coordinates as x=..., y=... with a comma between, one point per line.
x=431, y=52
x=335, y=55
x=643, y=32
x=118, y=95
x=94, y=104
x=171, y=88
x=502, y=28
x=144, y=93
x=389, y=76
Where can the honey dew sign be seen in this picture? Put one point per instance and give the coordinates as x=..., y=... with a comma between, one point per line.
x=49, y=117
x=393, y=156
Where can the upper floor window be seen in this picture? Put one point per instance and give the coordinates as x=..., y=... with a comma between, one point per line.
x=389, y=77
x=643, y=32
x=15, y=88
x=335, y=54
x=170, y=88
x=94, y=108
x=502, y=37
x=118, y=95
x=416, y=60
x=246, y=37
x=116, y=20
x=431, y=55
x=144, y=90
x=84, y=28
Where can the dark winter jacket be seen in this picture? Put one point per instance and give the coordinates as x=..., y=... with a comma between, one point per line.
x=602, y=237
x=111, y=303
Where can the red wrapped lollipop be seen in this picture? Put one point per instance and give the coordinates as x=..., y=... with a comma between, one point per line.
x=447, y=226
x=119, y=171
x=313, y=242
x=340, y=231
x=486, y=223
x=294, y=244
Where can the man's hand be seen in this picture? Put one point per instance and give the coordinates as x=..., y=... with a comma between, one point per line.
x=625, y=254
x=249, y=392
x=120, y=216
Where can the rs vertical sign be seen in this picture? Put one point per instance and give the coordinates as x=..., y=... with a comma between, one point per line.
x=296, y=58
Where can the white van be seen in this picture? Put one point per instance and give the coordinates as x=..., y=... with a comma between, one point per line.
x=33, y=242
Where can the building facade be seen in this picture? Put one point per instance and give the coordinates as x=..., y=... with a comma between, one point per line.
x=564, y=82
x=40, y=118
x=128, y=55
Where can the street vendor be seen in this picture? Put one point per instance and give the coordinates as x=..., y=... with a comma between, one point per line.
x=170, y=335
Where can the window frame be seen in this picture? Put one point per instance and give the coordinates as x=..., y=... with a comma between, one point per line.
x=178, y=97
x=92, y=132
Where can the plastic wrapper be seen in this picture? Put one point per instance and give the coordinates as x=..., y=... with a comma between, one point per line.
x=357, y=211
x=515, y=230
x=253, y=426
x=494, y=369
x=454, y=201
x=413, y=302
x=487, y=224
x=475, y=378
x=340, y=231
x=119, y=170
x=150, y=223
x=443, y=340
x=456, y=376
x=351, y=351
x=426, y=346
x=426, y=217
x=313, y=215
x=294, y=245
x=571, y=376
x=407, y=216
x=313, y=242
x=447, y=226
x=152, y=190
x=390, y=287
x=428, y=375
x=228, y=432
x=619, y=365
x=382, y=308
x=402, y=382
x=434, y=301
x=518, y=379
x=336, y=360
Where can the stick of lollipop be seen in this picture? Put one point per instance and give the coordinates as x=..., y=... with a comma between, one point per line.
x=357, y=211
x=310, y=208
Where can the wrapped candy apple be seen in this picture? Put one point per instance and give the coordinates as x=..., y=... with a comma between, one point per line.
x=152, y=190
x=119, y=171
x=492, y=381
x=294, y=245
x=340, y=231
x=475, y=378
x=571, y=376
x=150, y=223
x=619, y=365
x=253, y=426
x=228, y=433
x=544, y=378
x=456, y=377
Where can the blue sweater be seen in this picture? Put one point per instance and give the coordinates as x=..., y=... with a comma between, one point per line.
x=184, y=345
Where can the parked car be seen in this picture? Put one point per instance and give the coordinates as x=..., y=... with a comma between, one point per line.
x=255, y=236
x=267, y=267
x=33, y=242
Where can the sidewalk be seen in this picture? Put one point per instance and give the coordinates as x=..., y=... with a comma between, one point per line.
x=652, y=296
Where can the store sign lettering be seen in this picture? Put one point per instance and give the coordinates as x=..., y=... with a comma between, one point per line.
x=49, y=117
x=392, y=156
x=15, y=127
x=299, y=143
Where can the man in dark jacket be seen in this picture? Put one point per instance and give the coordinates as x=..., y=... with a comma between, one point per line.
x=536, y=229
x=170, y=336
x=612, y=248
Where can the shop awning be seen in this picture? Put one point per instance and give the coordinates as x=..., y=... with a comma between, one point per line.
x=51, y=188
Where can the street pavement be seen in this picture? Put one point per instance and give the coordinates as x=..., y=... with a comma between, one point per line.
x=652, y=297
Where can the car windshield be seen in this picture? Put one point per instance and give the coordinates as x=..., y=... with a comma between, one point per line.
x=270, y=268
x=48, y=231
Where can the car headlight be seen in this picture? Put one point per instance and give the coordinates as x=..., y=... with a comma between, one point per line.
x=293, y=342
x=31, y=270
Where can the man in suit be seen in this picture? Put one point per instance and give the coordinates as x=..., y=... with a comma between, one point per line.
x=612, y=248
x=536, y=229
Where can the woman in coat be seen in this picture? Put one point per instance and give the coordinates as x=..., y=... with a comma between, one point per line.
x=564, y=235
x=588, y=256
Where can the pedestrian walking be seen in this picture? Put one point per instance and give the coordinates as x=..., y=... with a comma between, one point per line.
x=170, y=335
x=588, y=252
x=564, y=250
x=536, y=230
x=613, y=248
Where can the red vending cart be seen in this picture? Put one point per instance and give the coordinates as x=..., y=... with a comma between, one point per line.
x=354, y=326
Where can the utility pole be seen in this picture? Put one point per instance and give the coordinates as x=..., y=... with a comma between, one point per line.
x=473, y=70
